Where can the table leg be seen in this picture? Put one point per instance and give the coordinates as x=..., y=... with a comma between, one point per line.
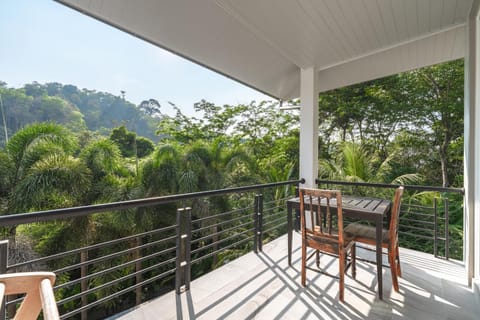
x=379, y=258
x=289, y=232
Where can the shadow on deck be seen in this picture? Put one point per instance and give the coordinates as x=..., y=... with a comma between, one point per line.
x=263, y=286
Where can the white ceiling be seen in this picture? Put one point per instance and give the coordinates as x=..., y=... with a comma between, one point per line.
x=265, y=43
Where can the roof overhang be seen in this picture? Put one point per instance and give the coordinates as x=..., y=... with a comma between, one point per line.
x=264, y=44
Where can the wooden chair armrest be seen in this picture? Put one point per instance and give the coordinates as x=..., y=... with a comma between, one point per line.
x=38, y=287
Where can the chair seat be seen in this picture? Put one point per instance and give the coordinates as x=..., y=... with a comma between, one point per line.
x=358, y=230
x=346, y=237
x=333, y=241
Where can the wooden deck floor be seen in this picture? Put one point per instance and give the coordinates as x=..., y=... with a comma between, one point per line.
x=263, y=286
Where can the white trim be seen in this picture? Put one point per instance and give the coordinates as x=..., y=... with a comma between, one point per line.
x=309, y=126
x=472, y=149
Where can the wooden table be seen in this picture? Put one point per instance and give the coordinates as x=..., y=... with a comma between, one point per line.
x=362, y=208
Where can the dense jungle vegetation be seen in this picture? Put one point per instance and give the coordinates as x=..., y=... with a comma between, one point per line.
x=61, y=146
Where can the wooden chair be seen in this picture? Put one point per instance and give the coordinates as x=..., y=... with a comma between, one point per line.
x=322, y=230
x=367, y=234
x=39, y=294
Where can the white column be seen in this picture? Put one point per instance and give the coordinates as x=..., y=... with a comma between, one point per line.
x=472, y=148
x=309, y=126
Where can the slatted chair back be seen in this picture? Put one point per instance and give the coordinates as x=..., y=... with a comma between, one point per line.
x=322, y=224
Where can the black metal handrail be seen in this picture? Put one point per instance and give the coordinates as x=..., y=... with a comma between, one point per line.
x=157, y=259
x=392, y=186
x=49, y=215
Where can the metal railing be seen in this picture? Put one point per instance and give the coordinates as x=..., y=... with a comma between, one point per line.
x=178, y=238
x=424, y=225
x=189, y=235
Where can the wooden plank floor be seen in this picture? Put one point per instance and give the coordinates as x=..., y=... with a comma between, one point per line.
x=263, y=286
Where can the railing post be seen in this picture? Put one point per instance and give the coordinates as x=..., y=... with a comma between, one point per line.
x=297, y=212
x=260, y=222
x=84, y=283
x=184, y=235
x=435, y=228
x=447, y=230
x=255, y=224
x=138, y=268
x=3, y=270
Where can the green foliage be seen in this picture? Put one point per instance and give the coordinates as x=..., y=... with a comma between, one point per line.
x=131, y=145
x=125, y=140
x=56, y=181
x=144, y=147
x=160, y=172
x=403, y=129
x=74, y=108
x=354, y=163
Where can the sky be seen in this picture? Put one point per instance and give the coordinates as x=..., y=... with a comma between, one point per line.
x=44, y=41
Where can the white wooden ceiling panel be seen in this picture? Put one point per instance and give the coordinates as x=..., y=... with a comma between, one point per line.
x=324, y=38
x=343, y=28
x=462, y=9
x=411, y=17
x=265, y=43
x=423, y=15
x=358, y=24
x=388, y=21
x=418, y=54
x=334, y=34
x=448, y=14
x=373, y=13
x=400, y=17
x=436, y=12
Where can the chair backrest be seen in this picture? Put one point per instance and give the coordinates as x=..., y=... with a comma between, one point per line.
x=395, y=216
x=324, y=220
x=39, y=293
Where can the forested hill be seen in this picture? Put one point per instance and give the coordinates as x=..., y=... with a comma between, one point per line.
x=77, y=109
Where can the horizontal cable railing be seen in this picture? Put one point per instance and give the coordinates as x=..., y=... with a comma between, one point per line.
x=172, y=240
x=424, y=221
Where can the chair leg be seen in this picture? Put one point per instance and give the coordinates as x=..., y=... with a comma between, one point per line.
x=393, y=269
x=353, y=252
x=341, y=263
x=304, y=263
x=318, y=258
x=399, y=269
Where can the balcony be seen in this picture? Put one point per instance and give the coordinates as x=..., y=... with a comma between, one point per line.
x=135, y=274
x=263, y=286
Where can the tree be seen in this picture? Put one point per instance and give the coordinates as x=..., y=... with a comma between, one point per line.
x=35, y=142
x=126, y=141
x=151, y=107
x=437, y=92
x=55, y=181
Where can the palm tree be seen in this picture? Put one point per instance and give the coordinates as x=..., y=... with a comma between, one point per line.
x=355, y=164
x=39, y=164
x=44, y=175
x=55, y=181
x=161, y=172
x=36, y=141
x=211, y=166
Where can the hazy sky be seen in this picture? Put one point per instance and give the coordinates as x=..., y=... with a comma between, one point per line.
x=44, y=41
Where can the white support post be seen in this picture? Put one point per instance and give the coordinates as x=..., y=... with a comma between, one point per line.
x=309, y=126
x=472, y=149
